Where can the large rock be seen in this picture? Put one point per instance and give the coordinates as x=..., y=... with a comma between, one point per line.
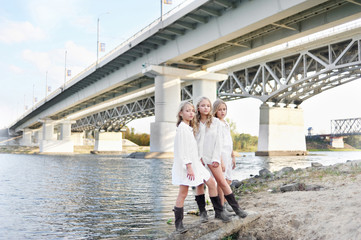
x=284, y=171
x=293, y=187
x=265, y=173
x=316, y=165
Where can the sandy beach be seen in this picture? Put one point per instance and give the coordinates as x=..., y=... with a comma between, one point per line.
x=332, y=212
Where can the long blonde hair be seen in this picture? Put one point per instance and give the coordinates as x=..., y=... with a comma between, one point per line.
x=181, y=108
x=198, y=115
x=216, y=106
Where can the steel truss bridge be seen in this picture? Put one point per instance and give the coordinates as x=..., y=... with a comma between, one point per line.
x=293, y=79
x=289, y=80
x=346, y=127
x=114, y=119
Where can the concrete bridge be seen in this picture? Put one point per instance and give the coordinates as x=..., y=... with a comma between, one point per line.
x=195, y=50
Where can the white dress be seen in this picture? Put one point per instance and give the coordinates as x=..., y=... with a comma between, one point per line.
x=210, y=142
x=227, y=150
x=185, y=151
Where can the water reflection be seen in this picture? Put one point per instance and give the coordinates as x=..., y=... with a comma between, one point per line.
x=104, y=197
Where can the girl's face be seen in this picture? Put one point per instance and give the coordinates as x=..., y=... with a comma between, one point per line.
x=222, y=111
x=187, y=113
x=204, y=107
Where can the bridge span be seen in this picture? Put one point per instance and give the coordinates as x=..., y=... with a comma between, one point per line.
x=167, y=62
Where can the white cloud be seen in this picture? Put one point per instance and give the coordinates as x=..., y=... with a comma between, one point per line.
x=40, y=59
x=53, y=62
x=15, y=32
x=16, y=69
x=78, y=55
x=9, y=113
x=50, y=14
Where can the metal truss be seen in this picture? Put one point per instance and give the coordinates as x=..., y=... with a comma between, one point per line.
x=112, y=120
x=344, y=127
x=294, y=79
x=115, y=118
x=187, y=93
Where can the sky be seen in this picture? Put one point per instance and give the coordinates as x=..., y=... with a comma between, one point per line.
x=38, y=38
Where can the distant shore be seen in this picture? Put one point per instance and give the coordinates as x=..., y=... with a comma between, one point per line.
x=77, y=149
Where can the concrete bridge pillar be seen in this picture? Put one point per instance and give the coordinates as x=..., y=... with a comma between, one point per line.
x=108, y=142
x=50, y=144
x=48, y=130
x=167, y=101
x=65, y=130
x=37, y=136
x=281, y=132
x=78, y=138
x=337, y=142
x=206, y=88
x=27, y=137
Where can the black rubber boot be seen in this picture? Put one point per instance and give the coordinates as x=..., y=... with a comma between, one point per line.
x=218, y=209
x=201, y=202
x=234, y=204
x=178, y=214
x=228, y=213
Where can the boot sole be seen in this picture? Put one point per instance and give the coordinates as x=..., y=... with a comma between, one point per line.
x=182, y=231
x=225, y=221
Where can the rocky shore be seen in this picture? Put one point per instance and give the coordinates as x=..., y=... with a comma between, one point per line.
x=319, y=202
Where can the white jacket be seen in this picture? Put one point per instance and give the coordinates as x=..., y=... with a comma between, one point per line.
x=185, y=151
x=209, y=141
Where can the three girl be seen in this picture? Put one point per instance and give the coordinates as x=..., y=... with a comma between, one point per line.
x=187, y=168
x=208, y=132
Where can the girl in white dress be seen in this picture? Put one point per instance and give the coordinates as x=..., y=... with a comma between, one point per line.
x=208, y=132
x=228, y=161
x=187, y=168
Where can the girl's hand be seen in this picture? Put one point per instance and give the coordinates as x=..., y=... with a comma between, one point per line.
x=233, y=162
x=190, y=173
x=202, y=162
x=215, y=164
x=223, y=166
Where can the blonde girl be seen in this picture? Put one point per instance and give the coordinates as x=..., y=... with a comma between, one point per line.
x=228, y=161
x=208, y=133
x=187, y=168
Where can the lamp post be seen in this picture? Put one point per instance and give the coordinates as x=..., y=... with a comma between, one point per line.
x=65, y=70
x=33, y=95
x=46, y=85
x=96, y=66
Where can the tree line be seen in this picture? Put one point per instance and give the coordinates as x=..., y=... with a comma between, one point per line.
x=354, y=141
x=141, y=139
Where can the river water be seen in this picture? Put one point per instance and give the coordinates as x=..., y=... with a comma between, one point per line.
x=106, y=197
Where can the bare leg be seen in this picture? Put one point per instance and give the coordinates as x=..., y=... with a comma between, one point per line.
x=220, y=194
x=182, y=194
x=221, y=181
x=200, y=189
x=212, y=189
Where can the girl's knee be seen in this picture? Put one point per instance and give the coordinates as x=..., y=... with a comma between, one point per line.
x=211, y=182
